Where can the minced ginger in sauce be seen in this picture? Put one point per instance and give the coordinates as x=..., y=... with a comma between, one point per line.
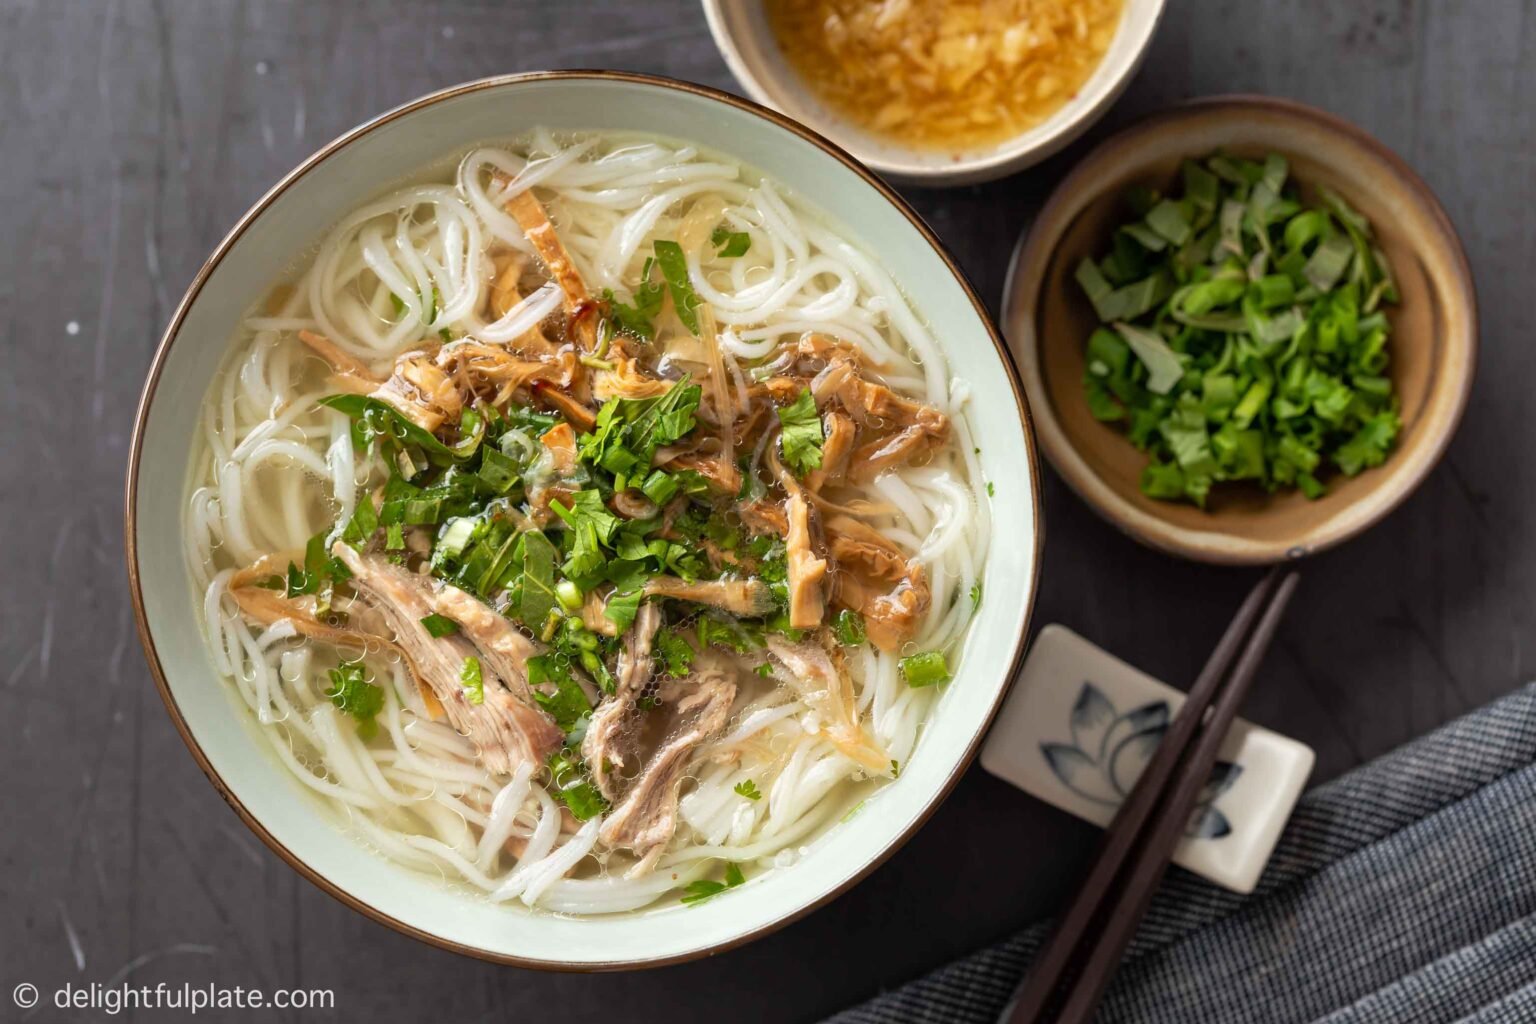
x=945, y=74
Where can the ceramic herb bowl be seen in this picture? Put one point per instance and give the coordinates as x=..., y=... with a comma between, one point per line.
x=741, y=31
x=1433, y=343
x=367, y=161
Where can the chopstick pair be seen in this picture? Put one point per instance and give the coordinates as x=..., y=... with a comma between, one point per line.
x=1069, y=976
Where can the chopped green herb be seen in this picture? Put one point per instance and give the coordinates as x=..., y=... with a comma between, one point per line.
x=737, y=636
x=351, y=693
x=895, y=768
x=975, y=598
x=697, y=892
x=621, y=609
x=364, y=521
x=1243, y=335
x=538, y=579
x=575, y=789
x=848, y=627
x=925, y=669
x=557, y=691
x=765, y=670
x=730, y=243
x=473, y=681
x=991, y=491
x=382, y=420
x=674, y=267
x=801, y=437
x=748, y=789
x=440, y=625
x=675, y=652
x=638, y=319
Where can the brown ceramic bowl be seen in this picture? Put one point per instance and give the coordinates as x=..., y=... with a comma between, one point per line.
x=1433, y=345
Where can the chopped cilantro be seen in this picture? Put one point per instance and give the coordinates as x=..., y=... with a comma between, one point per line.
x=621, y=609
x=351, y=692
x=697, y=892
x=473, y=681
x=557, y=691
x=575, y=789
x=748, y=789
x=801, y=437
x=675, y=652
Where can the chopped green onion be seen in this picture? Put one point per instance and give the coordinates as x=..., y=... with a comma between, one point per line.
x=925, y=669
x=569, y=595
x=1260, y=351
x=848, y=627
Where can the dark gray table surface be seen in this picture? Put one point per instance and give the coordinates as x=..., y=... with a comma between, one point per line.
x=134, y=133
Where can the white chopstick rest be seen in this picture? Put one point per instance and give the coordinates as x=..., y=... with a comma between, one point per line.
x=1080, y=725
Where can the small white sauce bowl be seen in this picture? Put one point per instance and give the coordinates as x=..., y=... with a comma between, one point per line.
x=746, y=41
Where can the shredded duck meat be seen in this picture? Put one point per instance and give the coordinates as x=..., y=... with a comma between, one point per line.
x=580, y=308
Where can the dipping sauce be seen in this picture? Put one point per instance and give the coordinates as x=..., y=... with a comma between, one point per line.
x=945, y=74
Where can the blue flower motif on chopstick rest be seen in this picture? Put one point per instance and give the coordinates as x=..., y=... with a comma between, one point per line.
x=1080, y=725
x=1110, y=750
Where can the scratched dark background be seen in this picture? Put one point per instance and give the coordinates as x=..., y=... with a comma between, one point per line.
x=134, y=133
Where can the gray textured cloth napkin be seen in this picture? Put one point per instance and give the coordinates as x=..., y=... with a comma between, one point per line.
x=1402, y=892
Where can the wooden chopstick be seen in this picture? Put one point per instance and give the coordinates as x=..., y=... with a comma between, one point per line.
x=1069, y=976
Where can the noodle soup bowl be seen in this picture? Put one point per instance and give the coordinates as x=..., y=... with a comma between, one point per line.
x=237, y=755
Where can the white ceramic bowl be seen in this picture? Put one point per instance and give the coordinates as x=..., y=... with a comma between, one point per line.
x=224, y=738
x=741, y=31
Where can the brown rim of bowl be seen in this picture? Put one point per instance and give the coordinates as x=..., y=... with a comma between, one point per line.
x=1030, y=253
x=162, y=351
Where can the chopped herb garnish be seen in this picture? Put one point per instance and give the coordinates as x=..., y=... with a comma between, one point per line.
x=674, y=267
x=638, y=319
x=848, y=627
x=575, y=789
x=765, y=670
x=801, y=437
x=740, y=637
x=697, y=892
x=730, y=243
x=748, y=789
x=925, y=669
x=473, y=681
x=621, y=609
x=991, y=491
x=440, y=625
x=537, y=579
x=351, y=693
x=1244, y=336
x=557, y=691
x=975, y=598
x=675, y=652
